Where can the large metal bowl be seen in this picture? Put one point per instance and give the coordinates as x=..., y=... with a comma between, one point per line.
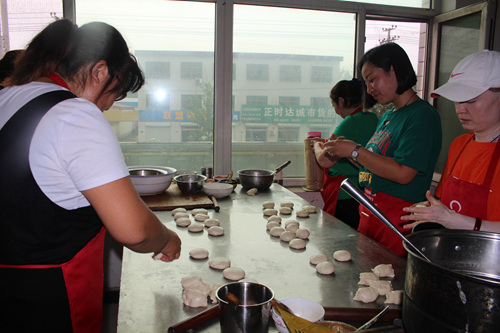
x=189, y=184
x=255, y=178
x=151, y=180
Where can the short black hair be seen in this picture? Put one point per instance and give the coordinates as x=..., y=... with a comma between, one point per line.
x=353, y=93
x=392, y=55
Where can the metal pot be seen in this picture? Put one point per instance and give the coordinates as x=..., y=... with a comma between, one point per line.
x=259, y=179
x=459, y=290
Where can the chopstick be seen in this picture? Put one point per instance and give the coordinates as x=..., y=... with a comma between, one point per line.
x=194, y=321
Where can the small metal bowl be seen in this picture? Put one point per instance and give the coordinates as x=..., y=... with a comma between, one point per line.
x=190, y=183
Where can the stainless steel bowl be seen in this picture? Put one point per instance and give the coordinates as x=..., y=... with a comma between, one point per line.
x=190, y=183
x=255, y=178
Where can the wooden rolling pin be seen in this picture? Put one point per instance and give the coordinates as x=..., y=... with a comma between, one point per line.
x=194, y=321
x=359, y=314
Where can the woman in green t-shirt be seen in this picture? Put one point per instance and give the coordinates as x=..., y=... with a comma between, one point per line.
x=358, y=126
x=397, y=164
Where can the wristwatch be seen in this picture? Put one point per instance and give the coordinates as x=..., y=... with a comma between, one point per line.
x=355, y=153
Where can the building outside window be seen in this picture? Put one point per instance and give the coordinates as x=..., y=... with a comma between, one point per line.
x=321, y=74
x=157, y=70
x=191, y=70
x=258, y=72
x=290, y=73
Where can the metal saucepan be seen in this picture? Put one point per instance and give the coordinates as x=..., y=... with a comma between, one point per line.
x=455, y=286
x=259, y=179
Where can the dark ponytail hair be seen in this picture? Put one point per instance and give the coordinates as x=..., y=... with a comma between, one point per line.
x=72, y=52
x=392, y=55
x=353, y=93
x=44, y=52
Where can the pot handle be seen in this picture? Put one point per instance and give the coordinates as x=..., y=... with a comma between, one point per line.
x=348, y=186
x=281, y=167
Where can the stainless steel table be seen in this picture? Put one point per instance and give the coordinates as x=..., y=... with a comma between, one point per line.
x=151, y=292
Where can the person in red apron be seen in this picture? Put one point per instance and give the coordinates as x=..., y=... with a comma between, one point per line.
x=469, y=189
x=397, y=163
x=347, y=100
x=65, y=181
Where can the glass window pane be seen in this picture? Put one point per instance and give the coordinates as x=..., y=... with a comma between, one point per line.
x=292, y=58
x=170, y=121
x=25, y=19
x=406, y=3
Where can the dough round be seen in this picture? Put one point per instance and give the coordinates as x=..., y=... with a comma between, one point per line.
x=201, y=217
x=394, y=297
x=303, y=213
x=233, y=273
x=292, y=226
x=366, y=277
x=219, y=263
x=291, y=222
x=275, y=218
x=268, y=204
x=318, y=258
x=384, y=270
x=366, y=295
x=211, y=223
x=272, y=224
x=196, y=227
x=325, y=268
x=277, y=231
x=302, y=233
x=287, y=204
x=199, y=211
x=310, y=209
x=286, y=210
x=216, y=231
x=198, y=253
x=297, y=244
x=194, y=298
x=178, y=210
x=180, y=215
x=252, y=191
x=270, y=212
x=287, y=236
x=342, y=255
x=383, y=287
x=183, y=222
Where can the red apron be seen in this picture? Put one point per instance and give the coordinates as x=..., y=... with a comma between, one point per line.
x=372, y=227
x=468, y=198
x=83, y=277
x=330, y=192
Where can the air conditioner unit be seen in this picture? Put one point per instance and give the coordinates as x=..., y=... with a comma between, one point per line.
x=198, y=81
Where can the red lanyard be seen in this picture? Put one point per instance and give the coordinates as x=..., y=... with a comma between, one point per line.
x=59, y=80
x=356, y=111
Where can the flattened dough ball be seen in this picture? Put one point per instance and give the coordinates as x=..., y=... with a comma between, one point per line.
x=178, y=210
x=286, y=210
x=394, y=297
x=318, y=258
x=310, y=209
x=287, y=236
x=366, y=277
x=297, y=244
x=270, y=212
x=219, y=263
x=287, y=204
x=277, y=231
x=211, y=223
x=384, y=270
x=268, y=204
x=325, y=268
x=198, y=253
x=272, y=224
x=216, y=231
x=303, y=213
x=302, y=233
x=274, y=218
x=201, y=217
x=183, y=222
x=252, y=191
x=196, y=227
x=233, y=273
x=197, y=211
x=366, y=295
x=342, y=255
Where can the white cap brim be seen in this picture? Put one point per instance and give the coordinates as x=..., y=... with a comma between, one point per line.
x=458, y=92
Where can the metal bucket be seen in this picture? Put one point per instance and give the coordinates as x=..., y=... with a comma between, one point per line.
x=459, y=290
x=252, y=315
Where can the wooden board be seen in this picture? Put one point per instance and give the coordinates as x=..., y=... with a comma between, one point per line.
x=173, y=198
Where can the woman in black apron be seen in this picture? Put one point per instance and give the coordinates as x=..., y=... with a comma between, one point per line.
x=469, y=189
x=65, y=181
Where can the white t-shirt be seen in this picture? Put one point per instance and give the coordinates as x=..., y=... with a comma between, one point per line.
x=73, y=148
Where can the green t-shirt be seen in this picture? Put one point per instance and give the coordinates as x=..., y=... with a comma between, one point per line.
x=358, y=128
x=412, y=136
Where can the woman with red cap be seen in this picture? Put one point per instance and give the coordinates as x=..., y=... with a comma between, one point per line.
x=469, y=189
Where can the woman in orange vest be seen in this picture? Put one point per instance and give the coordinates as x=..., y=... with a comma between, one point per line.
x=469, y=189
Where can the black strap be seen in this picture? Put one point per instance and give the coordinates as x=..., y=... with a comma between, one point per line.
x=16, y=134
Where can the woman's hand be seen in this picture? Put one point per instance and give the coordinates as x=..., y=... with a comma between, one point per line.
x=172, y=250
x=434, y=211
x=340, y=147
